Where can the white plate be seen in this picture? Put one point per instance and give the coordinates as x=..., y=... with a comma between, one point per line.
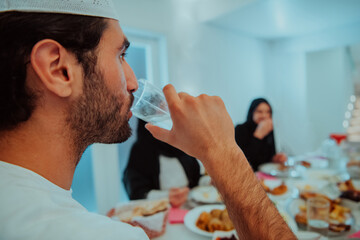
x=205, y=194
x=309, y=185
x=302, y=235
x=325, y=174
x=317, y=162
x=192, y=216
x=273, y=169
x=275, y=183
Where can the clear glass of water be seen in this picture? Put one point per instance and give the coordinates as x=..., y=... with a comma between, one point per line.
x=150, y=105
x=318, y=209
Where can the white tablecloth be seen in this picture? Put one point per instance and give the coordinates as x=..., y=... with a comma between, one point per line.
x=180, y=232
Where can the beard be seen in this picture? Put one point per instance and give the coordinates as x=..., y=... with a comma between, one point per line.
x=98, y=115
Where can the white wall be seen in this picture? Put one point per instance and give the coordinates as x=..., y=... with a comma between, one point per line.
x=286, y=89
x=329, y=87
x=310, y=92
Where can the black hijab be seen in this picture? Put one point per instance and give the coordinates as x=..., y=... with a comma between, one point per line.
x=254, y=104
x=249, y=119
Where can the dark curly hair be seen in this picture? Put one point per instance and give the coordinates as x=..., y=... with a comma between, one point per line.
x=19, y=32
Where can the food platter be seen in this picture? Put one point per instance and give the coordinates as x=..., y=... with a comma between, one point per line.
x=192, y=216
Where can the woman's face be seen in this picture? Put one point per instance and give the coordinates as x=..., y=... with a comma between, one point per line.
x=262, y=112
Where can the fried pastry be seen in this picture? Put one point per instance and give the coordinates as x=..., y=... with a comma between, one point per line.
x=217, y=219
x=216, y=213
x=305, y=164
x=279, y=190
x=215, y=224
x=301, y=218
x=346, y=186
x=203, y=220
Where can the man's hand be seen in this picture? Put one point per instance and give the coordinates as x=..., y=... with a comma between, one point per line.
x=178, y=196
x=201, y=125
x=263, y=128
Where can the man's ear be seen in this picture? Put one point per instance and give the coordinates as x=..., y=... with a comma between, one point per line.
x=54, y=66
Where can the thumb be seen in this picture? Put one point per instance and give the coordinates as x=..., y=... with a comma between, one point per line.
x=158, y=132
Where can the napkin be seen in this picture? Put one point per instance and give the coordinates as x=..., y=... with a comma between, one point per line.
x=176, y=215
x=355, y=235
x=262, y=175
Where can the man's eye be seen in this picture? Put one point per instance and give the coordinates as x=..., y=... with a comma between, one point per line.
x=122, y=56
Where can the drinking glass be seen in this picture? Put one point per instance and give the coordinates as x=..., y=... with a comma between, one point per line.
x=318, y=209
x=150, y=105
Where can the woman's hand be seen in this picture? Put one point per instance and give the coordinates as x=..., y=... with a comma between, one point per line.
x=263, y=128
x=279, y=158
x=178, y=196
x=111, y=213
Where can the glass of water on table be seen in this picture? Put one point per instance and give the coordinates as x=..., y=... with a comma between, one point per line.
x=318, y=209
x=150, y=105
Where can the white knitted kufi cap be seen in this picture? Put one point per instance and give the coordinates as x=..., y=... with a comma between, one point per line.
x=98, y=8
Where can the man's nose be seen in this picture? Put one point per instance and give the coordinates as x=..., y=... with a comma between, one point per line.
x=131, y=81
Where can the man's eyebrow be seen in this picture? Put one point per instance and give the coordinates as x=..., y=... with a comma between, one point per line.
x=125, y=45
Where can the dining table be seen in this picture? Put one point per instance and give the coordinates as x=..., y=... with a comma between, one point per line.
x=179, y=231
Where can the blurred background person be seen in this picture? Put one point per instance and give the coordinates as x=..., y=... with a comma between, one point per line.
x=256, y=136
x=157, y=170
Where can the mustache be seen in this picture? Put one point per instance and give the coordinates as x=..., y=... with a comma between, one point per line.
x=132, y=98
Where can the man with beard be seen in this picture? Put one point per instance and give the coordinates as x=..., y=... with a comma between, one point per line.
x=65, y=85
